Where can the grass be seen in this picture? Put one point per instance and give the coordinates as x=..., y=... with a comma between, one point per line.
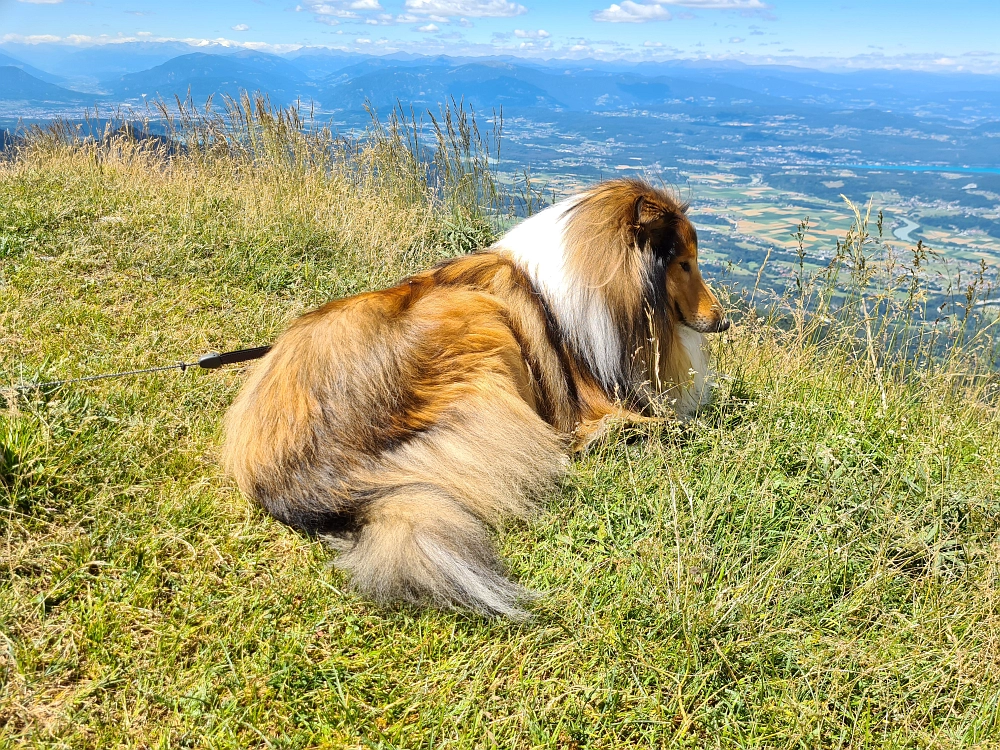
x=814, y=562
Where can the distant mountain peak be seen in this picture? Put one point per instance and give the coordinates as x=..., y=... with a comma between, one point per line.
x=18, y=85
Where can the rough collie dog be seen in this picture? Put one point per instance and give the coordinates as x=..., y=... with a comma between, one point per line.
x=405, y=423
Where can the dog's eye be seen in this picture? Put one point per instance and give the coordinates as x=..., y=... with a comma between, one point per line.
x=686, y=266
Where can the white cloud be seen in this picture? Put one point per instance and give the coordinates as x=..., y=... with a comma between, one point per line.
x=33, y=39
x=631, y=12
x=328, y=11
x=41, y=2
x=527, y=46
x=724, y=4
x=736, y=40
x=445, y=9
x=85, y=40
x=428, y=29
x=528, y=34
x=380, y=19
x=240, y=27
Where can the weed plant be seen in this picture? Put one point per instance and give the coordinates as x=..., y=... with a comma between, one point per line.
x=812, y=562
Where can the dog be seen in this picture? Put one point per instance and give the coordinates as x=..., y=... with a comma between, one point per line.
x=402, y=425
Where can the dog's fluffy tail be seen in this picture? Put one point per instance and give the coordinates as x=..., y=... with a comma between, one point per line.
x=423, y=530
x=419, y=545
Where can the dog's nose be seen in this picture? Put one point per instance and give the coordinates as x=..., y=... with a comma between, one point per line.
x=723, y=325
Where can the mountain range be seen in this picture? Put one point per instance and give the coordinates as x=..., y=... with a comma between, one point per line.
x=18, y=85
x=336, y=81
x=202, y=75
x=589, y=115
x=8, y=61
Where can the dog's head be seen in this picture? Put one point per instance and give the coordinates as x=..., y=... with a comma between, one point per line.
x=667, y=238
x=617, y=266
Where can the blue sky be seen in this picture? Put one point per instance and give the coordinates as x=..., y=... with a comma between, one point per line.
x=926, y=34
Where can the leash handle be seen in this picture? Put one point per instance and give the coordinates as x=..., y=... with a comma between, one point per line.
x=211, y=361
x=214, y=360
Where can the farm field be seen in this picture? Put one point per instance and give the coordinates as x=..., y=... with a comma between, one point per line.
x=742, y=221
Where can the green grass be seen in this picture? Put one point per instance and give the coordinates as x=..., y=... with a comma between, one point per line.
x=815, y=561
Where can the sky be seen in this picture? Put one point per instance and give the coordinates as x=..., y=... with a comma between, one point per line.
x=919, y=34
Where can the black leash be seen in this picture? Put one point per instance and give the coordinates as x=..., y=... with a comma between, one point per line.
x=212, y=361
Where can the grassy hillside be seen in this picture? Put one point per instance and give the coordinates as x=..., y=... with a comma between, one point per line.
x=815, y=561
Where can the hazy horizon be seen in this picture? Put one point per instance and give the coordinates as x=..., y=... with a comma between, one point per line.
x=851, y=35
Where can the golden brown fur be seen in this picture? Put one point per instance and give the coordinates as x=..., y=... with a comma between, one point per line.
x=404, y=423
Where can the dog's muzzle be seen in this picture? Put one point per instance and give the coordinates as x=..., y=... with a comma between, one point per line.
x=722, y=325
x=707, y=326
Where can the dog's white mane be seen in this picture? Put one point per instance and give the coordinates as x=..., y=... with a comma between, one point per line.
x=538, y=246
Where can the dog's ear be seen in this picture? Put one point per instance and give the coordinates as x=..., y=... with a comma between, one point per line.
x=655, y=227
x=650, y=215
x=644, y=213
